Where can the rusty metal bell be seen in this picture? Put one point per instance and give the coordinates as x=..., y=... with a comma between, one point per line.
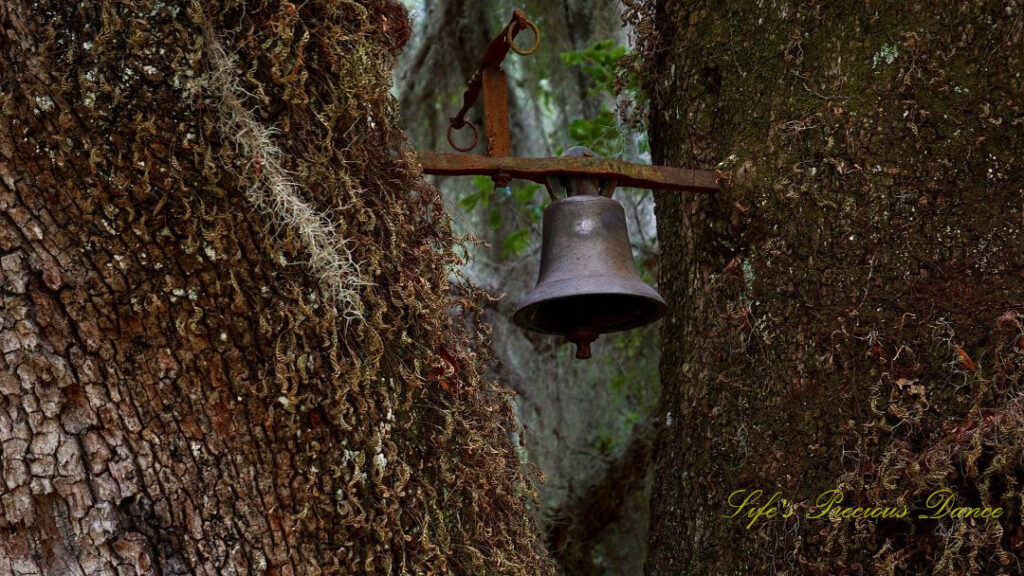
x=587, y=284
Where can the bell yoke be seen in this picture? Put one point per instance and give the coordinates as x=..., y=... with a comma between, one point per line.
x=587, y=284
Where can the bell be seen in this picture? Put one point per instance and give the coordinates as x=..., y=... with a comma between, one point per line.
x=587, y=284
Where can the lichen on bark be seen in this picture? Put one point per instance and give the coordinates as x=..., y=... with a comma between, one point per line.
x=846, y=312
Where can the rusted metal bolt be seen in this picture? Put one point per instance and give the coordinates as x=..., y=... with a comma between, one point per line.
x=501, y=179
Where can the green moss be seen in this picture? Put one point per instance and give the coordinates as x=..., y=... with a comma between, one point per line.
x=868, y=173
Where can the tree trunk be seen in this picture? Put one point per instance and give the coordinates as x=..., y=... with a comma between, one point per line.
x=847, y=313
x=225, y=334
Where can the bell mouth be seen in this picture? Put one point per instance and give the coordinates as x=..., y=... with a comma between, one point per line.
x=560, y=307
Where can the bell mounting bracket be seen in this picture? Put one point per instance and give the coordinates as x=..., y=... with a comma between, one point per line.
x=490, y=80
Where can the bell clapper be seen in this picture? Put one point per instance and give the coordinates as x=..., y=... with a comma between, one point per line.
x=582, y=337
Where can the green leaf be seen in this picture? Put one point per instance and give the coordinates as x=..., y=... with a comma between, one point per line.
x=494, y=218
x=600, y=134
x=481, y=197
x=524, y=194
x=470, y=202
x=599, y=61
x=516, y=242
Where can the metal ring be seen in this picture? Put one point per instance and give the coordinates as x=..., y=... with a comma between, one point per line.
x=476, y=137
x=536, y=40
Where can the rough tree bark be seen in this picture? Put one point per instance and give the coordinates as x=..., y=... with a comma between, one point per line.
x=848, y=311
x=225, y=345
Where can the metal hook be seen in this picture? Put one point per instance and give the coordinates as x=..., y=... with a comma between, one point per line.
x=476, y=135
x=510, y=38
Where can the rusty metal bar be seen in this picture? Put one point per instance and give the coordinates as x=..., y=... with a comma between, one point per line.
x=496, y=125
x=495, y=54
x=492, y=81
x=538, y=169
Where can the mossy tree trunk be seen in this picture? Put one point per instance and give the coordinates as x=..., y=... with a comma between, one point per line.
x=849, y=311
x=225, y=343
